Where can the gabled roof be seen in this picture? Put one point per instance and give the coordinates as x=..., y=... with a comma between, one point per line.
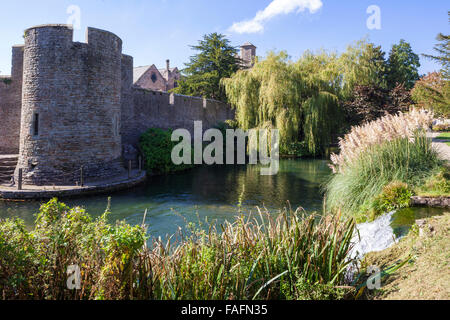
x=138, y=72
x=164, y=72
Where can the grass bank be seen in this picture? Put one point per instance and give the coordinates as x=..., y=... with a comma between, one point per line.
x=293, y=256
x=426, y=276
x=445, y=137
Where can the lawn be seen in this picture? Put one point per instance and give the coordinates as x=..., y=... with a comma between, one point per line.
x=444, y=136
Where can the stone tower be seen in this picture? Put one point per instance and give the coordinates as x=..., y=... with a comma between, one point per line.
x=248, y=54
x=71, y=106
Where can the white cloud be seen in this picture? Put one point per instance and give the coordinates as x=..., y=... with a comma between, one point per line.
x=275, y=8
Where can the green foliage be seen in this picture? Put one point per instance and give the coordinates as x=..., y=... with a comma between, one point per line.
x=403, y=65
x=298, y=149
x=291, y=257
x=305, y=100
x=285, y=258
x=395, y=195
x=363, y=64
x=157, y=146
x=6, y=81
x=432, y=92
x=437, y=185
x=354, y=188
x=216, y=59
x=277, y=93
x=33, y=263
x=441, y=127
x=323, y=117
x=442, y=56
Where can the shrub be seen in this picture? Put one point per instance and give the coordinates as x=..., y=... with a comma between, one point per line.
x=443, y=127
x=356, y=185
x=438, y=184
x=395, y=195
x=298, y=149
x=157, y=146
x=33, y=264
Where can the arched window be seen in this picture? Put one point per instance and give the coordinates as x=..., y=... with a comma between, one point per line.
x=154, y=78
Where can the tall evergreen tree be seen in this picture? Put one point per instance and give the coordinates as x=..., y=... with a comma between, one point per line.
x=216, y=59
x=403, y=66
x=443, y=53
x=364, y=64
x=433, y=90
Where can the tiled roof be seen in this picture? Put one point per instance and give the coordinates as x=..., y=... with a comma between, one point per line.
x=164, y=72
x=138, y=72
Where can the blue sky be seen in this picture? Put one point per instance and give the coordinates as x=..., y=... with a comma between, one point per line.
x=156, y=30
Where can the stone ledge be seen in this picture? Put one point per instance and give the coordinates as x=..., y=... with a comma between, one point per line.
x=438, y=202
x=11, y=194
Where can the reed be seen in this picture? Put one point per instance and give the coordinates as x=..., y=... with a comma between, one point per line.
x=291, y=256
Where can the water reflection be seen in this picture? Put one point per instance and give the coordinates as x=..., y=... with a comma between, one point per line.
x=403, y=219
x=216, y=192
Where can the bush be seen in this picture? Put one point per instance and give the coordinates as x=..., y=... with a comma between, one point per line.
x=290, y=257
x=299, y=149
x=437, y=185
x=157, y=146
x=395, y=195
x=354, y=188
x=33, y=264
x=443, y=127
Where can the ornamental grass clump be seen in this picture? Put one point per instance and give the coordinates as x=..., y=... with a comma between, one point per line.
x=293, y=256
x=387, y=128
x=356, y=185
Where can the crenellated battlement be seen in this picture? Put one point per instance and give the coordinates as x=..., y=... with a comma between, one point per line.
x=61, y=36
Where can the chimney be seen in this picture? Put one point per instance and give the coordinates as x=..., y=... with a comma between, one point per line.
x=168, y=64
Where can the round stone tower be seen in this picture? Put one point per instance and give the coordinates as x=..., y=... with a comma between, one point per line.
x=71, y=107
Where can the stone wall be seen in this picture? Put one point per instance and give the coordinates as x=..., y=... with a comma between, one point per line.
x=154, y=109
x=10, y=104
x=71, y=106
x=437, y=202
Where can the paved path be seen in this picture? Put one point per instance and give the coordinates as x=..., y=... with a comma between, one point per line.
x=91, y=187
x=441, y=147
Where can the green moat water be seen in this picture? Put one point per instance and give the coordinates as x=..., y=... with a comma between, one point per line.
x=216, y=192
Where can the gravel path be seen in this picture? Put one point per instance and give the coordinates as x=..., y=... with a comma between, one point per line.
x=441, y=147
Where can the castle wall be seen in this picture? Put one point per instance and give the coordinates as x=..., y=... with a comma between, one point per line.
x=71, y=108
x=10, y=104
x=69, y=105
x=153, y=109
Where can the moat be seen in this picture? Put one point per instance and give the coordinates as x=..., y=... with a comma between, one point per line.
x=216, y=192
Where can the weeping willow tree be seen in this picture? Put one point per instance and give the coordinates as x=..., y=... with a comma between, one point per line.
x=298, y=99
x=321, y=119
